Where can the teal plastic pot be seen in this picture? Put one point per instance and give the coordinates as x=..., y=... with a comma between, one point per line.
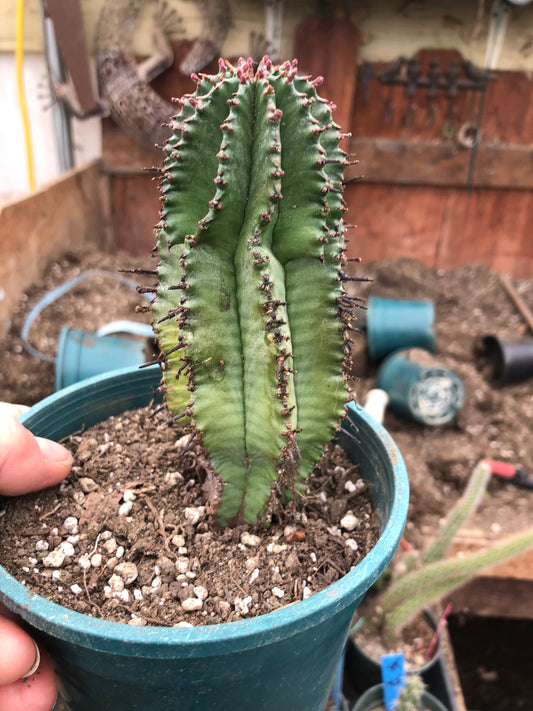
x=81, y=355
x=284, y=660
x=422, y=391
x=373, y=699
x=393, y=324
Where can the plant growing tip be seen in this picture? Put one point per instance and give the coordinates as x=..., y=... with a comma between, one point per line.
x=410, y=698
x=250, y=278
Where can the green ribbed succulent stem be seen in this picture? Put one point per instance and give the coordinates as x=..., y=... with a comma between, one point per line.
x=250, y=245
x=417, y=590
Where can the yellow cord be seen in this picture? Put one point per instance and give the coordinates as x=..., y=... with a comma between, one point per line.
x=19, y=60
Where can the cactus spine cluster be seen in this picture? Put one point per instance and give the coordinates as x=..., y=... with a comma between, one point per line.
x=249, y=305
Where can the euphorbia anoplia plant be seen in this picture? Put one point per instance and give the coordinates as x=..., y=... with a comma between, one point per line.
x=250, y=306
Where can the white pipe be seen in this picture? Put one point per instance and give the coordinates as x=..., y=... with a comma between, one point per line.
x=376, y=403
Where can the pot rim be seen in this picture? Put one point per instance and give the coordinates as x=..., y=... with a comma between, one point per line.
x=63, y=622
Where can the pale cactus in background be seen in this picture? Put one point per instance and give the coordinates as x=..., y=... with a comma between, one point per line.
x=410, y=698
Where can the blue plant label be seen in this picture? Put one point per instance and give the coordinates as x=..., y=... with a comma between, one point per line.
x=393, y=677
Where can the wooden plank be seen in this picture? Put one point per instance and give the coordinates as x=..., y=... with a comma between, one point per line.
x=508, y=110
x=451, y=667
x=393, y=221
x=507, y=114
x=517, y=300
x=34, y=230
x=371, y=118
x=135, y=212
x=463, y=236
x=438, y=225
x=122, y=155
x=402, y=164
x=442, y=163
x=327, y=46
x=442, y=228
x=69, y=30
x=490, y=227
x=495, y=597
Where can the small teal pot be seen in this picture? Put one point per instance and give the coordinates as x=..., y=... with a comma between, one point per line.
x=285, y=659
x=373, y=699
x=392, y=324
x=430, y=394
x=81, y=355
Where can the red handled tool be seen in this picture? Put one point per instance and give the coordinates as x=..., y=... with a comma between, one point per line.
x=511, y=473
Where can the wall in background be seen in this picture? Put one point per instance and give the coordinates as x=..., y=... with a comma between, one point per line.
x=419, y=197
x=87, y=135
x=390, y=27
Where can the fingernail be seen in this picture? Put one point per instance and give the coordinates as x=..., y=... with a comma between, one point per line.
x=36, y=662
x=55, y=452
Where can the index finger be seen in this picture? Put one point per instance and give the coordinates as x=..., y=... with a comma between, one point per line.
x=29, y=463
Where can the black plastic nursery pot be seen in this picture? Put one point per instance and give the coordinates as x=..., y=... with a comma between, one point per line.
x=285, y=659
x=362, y=672
x=509, y=361
x=373, y=699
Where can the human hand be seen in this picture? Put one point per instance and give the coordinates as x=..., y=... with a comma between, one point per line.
x=27, y=463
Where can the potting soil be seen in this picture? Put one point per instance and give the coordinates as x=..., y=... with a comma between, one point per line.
x=130, y=535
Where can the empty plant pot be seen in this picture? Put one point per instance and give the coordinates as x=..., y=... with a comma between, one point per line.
x=507, y=361
x=419, y=388
x=81, y=355
x=285, y=659
x=393, y=324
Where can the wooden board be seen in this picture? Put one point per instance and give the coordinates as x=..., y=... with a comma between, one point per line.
x=327, y=46
x=34, y=230
x=442, y=227
x=415, y=200
x=495, y=597
x=520, y=567
x=442, y=163
x=135, y=213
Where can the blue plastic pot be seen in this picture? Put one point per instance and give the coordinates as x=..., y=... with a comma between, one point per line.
x=430, y=394
x=373, y=699
x=81, y=355
x=284, y=660
x=393, y=324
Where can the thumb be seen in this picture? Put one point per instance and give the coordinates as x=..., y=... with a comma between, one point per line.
x=28, y=463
